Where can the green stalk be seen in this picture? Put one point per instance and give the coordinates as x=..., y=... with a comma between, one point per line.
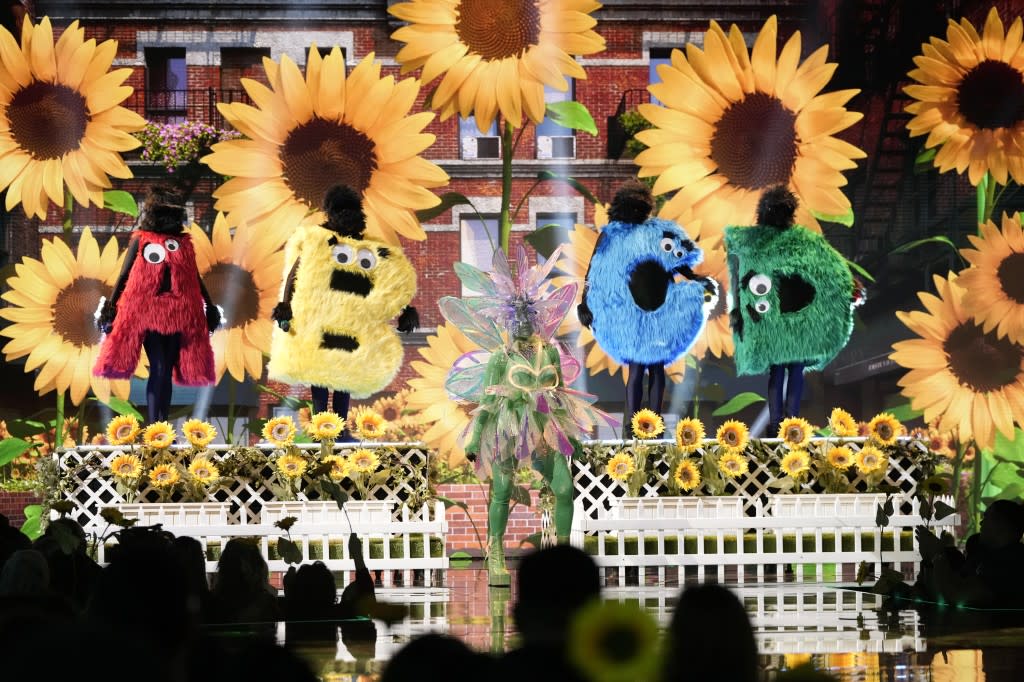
x=507, y=149
x=69, y=208
x=231, y=411
x=58, y=427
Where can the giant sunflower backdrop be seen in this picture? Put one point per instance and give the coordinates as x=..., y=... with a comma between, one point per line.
x=60, y=120
x=495, y=57
x=970, y=379
x=969, y=93
x=309, y=132
x=736, y=121
x=243, y=275
x=53, y=302
x=994, y=283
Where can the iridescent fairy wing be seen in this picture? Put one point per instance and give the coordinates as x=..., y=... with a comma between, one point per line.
x=475, y=279
x=553, y=309
x=477, y=328
x=571, y=366
x=466, y=377
x=522, y=266
x=534, y=278
x=502, y=274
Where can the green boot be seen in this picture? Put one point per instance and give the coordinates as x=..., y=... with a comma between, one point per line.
x=497, y=573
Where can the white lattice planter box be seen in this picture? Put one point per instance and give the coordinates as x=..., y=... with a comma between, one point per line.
x=377, y=513
x=676, y=507
x=177, y=514
x=818, y=505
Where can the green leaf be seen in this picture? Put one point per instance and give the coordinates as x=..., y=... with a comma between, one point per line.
x=286, y=523
x=937, y=239
x=521, y=495
x=459, y=559
x=573, y=182
x=889, y=507
x=10, y=448
x=534, y=539
x=449, y=503
x=26, y=428
x=32, y=511
x=942, y=510
x=737, y=403
x=120, y=201
x=926, y=156
x=448, y=199
x=289, y=551
x=859, y=270
x=570, y=114
x=65, y=538
x=881, y=518
x=32, y=527
x=122, y=406
x=904, y=412
x=926, y=509
x=982, y=190
x=845, y=219
x=546, y=239
x=336, y=493
x=286, y=400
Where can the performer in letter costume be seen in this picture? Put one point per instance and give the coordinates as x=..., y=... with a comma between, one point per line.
x=159, y=304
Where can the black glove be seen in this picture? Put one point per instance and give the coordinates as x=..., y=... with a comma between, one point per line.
x=282, y=314
x=107, y=314
x=212, y=317
x=408, y=320
x=583, y=312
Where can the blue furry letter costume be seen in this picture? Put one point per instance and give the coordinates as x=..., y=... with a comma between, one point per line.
x=639, y=313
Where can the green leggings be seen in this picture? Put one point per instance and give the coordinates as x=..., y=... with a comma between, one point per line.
x=554, y=468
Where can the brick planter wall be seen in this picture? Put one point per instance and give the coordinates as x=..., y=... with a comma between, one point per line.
x=522, y=521
x=12, y=504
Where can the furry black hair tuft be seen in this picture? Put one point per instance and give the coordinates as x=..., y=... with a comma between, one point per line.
x=344, y=210
x=776, y=207
x=633, y=203
x=163, y=211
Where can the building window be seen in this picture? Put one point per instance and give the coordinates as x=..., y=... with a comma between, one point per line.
x=477, y=145
x=479, y=238
x=553, y=140
x=659, y=56
x=561, y=224
x=166, y=84
x=237, y=63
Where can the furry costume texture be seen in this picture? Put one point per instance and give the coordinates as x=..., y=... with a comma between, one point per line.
x=806, y=316
x=144, y=307
x=675, y=311
x=299, y=355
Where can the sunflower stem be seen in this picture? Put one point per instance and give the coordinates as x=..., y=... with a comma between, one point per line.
x=505, y=226
x=230, y=437
x=975, y=502
x=58, y=425
x=69, y=209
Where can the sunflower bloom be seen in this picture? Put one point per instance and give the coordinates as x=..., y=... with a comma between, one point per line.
x=647, y=424
x=970, y=379
x=291, y=466
x=870, y=459
x=198, y=433
x=994, y=285
x=369, y=424
x=123, y=429
x=204, y=470
x=840, y=458
x=496, y=57
x=611, y=641
x=795, y=463
x=339, y=466
x=325, y=426
x=61, y=124
x=363, y=461
x=164, y=476
x=310, y=132
x=733, y=464
x=445, y=418
x=279, y=431
x=842, y=423
x=885, y=428
x=53, y=302
x=968, y=94
x=126, y=467
x=795, y=432
x=733, y=436
x=621, y=466
x=392, y=407
x=716, y=337
x=689, y=434
x=686, y=475
x=243, y=275
x=735, y=122
x=159, y=435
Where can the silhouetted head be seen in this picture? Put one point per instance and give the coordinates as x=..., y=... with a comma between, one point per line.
x=241, y=569
x=163, y=211
x=1002, y=524
x=344, y=209
x=633, y=203
x=554, y=583
x=776, y=207
x=437, y=658
x=710, y=638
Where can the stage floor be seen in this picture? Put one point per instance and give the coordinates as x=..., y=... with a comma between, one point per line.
x=840, y=627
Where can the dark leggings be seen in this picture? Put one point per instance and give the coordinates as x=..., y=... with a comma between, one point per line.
x=320, y=396
x=785, y=386
x=635, y=392
x=162, y=350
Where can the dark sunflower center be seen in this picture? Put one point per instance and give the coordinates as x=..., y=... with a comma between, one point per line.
x=233, y=289
x=754, y=144
x=980, y=360
x=390, y=413
x=1011, y=276
x=320, y=154
x=620, y=643
x=794, y=434
x=47, y=120
x=731, y=437
x=74, y=309
x=991, y=95
x=495, y=30
x=885, y=431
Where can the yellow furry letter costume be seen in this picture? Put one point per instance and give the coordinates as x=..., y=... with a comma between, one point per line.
x=340, y=294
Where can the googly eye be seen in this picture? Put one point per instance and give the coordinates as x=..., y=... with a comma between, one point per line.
x=343, y=254
x=760, y=285
x=762, y=306
x=171, y=244
x=367, y=259
x=667, y=245
x=678, y=254
x=154, y=253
